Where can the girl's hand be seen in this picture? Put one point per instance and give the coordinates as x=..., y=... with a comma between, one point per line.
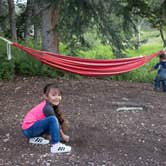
x=65, y=137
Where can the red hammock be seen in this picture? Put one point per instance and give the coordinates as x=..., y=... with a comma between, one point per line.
x=88, y=67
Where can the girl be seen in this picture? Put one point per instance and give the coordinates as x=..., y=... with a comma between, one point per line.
x=47, y=118
x=161, y=73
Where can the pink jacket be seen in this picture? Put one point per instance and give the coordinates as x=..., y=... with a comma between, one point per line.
x=34, y=115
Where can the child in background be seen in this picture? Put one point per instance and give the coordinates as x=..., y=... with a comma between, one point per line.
x=161, y=74
x=46, y=118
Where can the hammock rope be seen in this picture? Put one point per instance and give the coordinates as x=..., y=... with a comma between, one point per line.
x=84, y=66
x=8, y=47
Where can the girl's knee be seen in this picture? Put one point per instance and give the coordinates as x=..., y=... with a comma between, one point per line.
x=53, y=119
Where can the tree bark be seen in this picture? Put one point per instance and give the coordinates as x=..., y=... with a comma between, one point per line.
x=12, y=20
x=36, y=26
x=49, y=29
x=2, y=16
x=162, y=35
x=29, y=10
x=162, y=23
x=139, y=23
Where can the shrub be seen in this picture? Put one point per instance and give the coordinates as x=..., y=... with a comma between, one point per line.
x=7, y=71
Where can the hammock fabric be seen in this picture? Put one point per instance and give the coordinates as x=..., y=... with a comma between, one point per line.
x=88, y=67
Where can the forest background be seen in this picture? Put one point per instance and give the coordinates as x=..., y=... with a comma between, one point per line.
x=98, y=29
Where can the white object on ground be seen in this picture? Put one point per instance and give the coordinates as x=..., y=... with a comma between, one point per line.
x=129, y=108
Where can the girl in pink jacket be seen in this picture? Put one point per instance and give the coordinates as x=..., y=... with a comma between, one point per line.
x=46, y=118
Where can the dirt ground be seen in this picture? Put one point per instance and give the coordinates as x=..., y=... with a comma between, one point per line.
x=110, y=123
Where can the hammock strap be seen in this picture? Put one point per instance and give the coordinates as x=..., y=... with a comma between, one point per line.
x=8, y=47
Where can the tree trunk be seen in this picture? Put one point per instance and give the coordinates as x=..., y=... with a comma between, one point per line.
x=162, y=35
x=36, y=29
x=49, y=30
x=36, y=26
x=138, y=36
x=12, y=20
x=29, y=9
x=138, y=32
x=2, y=9
x=162, y=23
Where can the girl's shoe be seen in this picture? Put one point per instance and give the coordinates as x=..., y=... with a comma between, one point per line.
x=60, y=148
x=38, y=140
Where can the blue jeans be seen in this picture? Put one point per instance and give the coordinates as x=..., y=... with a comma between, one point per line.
x=161, y=79
x=158, y=81
x=48, y=125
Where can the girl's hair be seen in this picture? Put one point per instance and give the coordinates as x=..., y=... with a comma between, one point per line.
x=47, y=88
x=162, y=56
x=57, y=111
x=60, y=117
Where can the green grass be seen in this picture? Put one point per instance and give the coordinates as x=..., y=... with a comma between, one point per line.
x=142, y=74
x=98, y=52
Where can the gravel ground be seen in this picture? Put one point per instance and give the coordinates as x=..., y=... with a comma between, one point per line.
x=110, y=123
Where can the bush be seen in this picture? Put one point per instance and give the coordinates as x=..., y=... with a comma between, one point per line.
x=6, y=67
x=25, y=64
x=7, y=71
